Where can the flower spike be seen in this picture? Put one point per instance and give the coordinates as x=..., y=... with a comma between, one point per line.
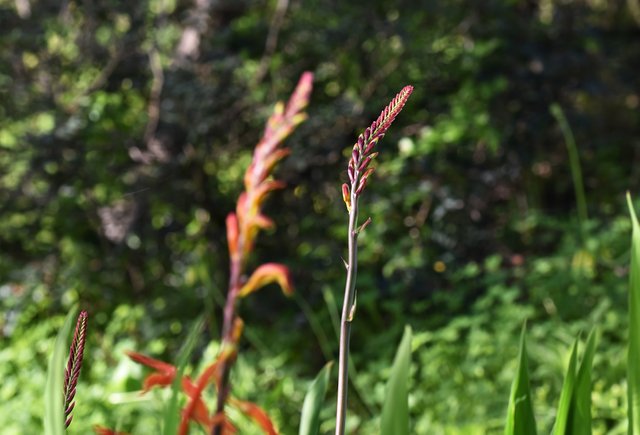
x=74, y=364
x=359, y=172
x=362, y=154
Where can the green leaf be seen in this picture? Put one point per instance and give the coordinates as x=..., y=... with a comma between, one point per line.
x=581, y=401
x=633, y=362
x=53, y=395
x=172, y=412
x=310, y=418
x=520, y=418
x=564, y=406
x=395, y=411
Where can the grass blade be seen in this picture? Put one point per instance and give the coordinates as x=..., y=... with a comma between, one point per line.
x=566, y=396
x=633, y=362
x=581, y=402
x=172, y=411
x=310, y=418
x=54, y=390
x=520, y=418
x=395, y=411
x=574, y=162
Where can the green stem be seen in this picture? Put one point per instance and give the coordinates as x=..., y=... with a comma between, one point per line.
x=347, y=313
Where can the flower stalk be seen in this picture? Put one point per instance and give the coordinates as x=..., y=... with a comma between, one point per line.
x=359, y=172
x=244, y=225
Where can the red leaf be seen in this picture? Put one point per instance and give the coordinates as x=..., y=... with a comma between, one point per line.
x=195, y=408
x=227, y=427
x=163, y=376
x=257, y=414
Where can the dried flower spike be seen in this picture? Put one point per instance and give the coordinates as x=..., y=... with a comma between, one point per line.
x=74, y=364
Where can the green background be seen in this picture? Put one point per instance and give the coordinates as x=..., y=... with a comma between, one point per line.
x=121, y=155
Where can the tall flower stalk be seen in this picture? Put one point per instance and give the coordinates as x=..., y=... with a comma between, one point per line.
x=359, y=171
x=243, y=227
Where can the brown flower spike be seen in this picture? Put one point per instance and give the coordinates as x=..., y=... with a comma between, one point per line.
x=362, y=154
x=74, y=364
x=359, y=172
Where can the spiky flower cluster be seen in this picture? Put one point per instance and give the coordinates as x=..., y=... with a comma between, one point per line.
x=244, y=224
x=74, y=364
x=362, y=154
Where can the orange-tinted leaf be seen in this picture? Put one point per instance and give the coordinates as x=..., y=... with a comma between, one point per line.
x=257, y=414
x=159, y=379
x=160, y=366
x=238, y=327
x=232, y=233
x=227, y=427
x=163, y=376
x=260, y=193
x=346, y=196
x=263, y=222
x=274, y=157
x=267, y=274
x=196, y=408
x=241, y=209
x=198, y=411
x=100, y=430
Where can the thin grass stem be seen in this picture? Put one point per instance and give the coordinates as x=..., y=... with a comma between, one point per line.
x=574, y=163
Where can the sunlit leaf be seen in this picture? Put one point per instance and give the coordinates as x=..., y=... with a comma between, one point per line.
x=633, y=362
x=313, y=401
x=520, y=417
x=564, y=406
x=395, y=411
x=581, y=412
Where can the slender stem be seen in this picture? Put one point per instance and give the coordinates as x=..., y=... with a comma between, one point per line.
x=227, y=335
x=359, y=171
x=347, y=308
x=574, y=163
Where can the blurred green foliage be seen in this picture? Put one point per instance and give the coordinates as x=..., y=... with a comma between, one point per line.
x=122, y=149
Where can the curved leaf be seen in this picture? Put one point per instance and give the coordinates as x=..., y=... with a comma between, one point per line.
x=310, y=418
x=266, y=274
x=633, y=362
x=581, y=413
x=395, y=411
x=564, y=406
